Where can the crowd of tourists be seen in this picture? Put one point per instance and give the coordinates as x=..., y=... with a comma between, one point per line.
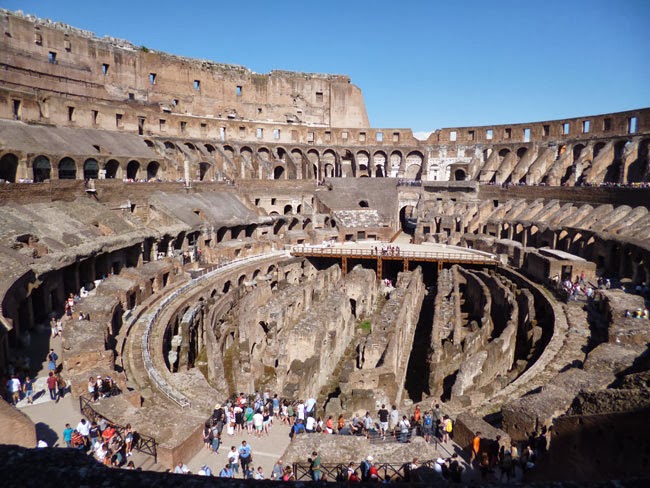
x=106, y=442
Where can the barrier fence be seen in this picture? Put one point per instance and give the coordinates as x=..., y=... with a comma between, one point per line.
x=355, y=252
x=142, y=443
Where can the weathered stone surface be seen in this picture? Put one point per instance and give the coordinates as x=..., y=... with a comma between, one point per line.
x=16, y=427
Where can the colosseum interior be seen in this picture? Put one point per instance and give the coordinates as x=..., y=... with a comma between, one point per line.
x=230, y=227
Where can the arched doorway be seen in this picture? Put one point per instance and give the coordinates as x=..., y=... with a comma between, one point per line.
x=91, y=169
x=152, y=170
x=111, y=168
x=278, y=173
x=460, y=175
x=408, y=218
x=8, y=168
x=203, y=170
x=414, y=162
x=132, y=170
x=67, y=169
x=42, y=169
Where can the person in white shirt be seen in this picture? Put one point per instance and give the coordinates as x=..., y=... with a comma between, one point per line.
x=233, y=459
x=301, y=410
x=310, y=426
x=258, y=423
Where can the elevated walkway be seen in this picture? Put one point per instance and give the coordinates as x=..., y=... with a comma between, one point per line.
x=407, y=253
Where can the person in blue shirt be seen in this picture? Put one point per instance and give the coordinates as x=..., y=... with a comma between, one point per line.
x=67, y=435
x=226, y=472
x=245, y=457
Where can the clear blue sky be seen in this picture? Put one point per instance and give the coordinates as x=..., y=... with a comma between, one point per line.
x=421, y=64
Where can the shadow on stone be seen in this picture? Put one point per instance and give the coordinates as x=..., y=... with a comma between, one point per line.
x=45, y=433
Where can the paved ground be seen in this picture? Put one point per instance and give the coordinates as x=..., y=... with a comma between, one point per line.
x=266, y=450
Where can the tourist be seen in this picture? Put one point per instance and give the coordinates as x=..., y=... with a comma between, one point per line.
x=259, y=474
x=28, y=390
x=51, y=385
x=288, y=474
x=447, y=427
x=95, y=435
x=181, y=468
x=476, y=447
x=128, y=440
x=258, y=423
x=233, y=460
x=53, y=327
x=52, y=358
x=67, y=435
x=394, y=419
x=278, y=470
x=204, y=471
x=404, y=426
x=383, y=421
x=427, y=426
x=315, y=466
x=365, y=466
x=245, y=457
x=226, y=472
x=14, y=388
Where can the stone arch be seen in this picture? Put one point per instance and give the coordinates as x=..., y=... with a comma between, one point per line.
x=460, y=175
x=577, y=151
x=67, y=169
x=395, y=163
x=152, y=170
x=204, y=167
x=226, y=287
x=111, y=168
x=210, y=148
x=279, y=173
x=408, y=218
x=288, y=209
x=190, y=146
x=294, y=222
x=132, y=169
x=414, y=161
x=149, y=143
x=363, y=163
x=229, y=151
x=306, y=224
x=241, y=280
x=597, y=148
x=9, y=168
x=170, y=145
x=314, y=163
x=91, y=169
x=329, y=164
x=42, y=169
x=379, y=163
x=264, y=153
x=521, y=152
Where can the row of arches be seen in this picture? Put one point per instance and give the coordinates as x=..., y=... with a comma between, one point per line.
x=67, y=168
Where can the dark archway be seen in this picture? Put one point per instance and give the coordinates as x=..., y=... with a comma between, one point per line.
x=42, y=169
x=278, y=173
x=91, y=169
x=67, y=169
x=408, y=219
x=111, y=168
x=152, y=170
x=9, y=167
x=132, y=170
x=203, y=170
x=460, y=175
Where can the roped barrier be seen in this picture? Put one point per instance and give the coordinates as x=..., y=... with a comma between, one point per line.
x=154, y=375
x=142, y=443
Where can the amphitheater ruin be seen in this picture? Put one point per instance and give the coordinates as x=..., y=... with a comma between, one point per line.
x=236, y=229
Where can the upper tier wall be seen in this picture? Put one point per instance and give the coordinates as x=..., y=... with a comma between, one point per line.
x=52, y=57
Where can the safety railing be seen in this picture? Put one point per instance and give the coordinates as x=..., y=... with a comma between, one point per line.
x=387, y=472
x=142, y=443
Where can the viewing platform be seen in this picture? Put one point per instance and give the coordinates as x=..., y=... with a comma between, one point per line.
x=407, y=253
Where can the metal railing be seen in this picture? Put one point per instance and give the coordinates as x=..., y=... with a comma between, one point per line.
x=371, y=253
x=142, y=443
x=388, y=472
x=154, y=375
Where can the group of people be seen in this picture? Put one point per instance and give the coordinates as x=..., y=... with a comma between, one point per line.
x=99, y=387
x=386, y=250
x=491, y=456
x=103, y=440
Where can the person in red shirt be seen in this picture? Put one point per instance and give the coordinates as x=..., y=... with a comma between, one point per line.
x=373, y=473
x=51, y=385
x=108, y=433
